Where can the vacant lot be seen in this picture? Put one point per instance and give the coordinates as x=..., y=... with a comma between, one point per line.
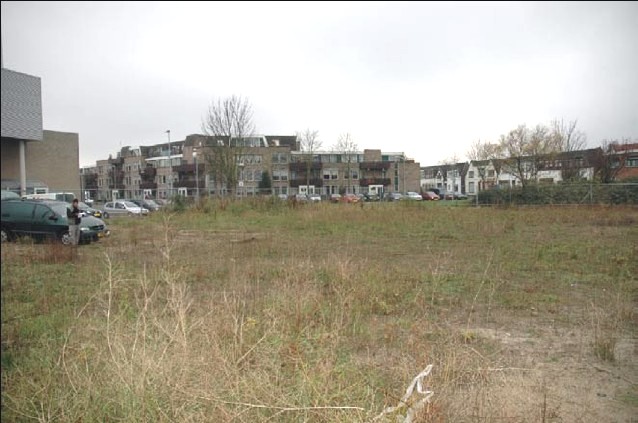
x=263, y=312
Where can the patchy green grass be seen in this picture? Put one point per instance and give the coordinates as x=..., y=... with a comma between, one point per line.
x=260, y=311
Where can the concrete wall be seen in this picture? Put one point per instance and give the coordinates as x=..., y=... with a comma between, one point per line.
x=54, y=161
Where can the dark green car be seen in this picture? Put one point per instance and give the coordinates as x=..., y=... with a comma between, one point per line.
x=45, y=219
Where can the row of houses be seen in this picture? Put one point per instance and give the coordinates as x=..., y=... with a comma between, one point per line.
x=474, y=176
x=188, y=168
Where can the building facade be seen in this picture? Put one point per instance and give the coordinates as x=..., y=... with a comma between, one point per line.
x=34, y=159
x=194, y=168
x=478, y=175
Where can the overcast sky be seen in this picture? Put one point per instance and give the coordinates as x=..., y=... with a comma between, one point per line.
x=427, y=79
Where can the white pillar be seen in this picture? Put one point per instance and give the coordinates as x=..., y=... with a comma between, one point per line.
x=23, y=169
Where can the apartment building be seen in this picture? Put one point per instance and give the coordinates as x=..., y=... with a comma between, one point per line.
x=194, y=168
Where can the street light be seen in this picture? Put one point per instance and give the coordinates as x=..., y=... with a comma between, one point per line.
x=196, y=174
x=241, y=182
x=170, y=164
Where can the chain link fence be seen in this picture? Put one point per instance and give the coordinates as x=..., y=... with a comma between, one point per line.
x=561, y=194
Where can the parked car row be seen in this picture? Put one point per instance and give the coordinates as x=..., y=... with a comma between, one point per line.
x=430, y=195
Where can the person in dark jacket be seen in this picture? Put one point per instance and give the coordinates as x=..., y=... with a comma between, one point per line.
x=74, y=218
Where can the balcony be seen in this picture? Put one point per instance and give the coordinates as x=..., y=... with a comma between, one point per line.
x=375, y=165
x=148, y=174
x=374, y=181
x=148, y=185
x=186, y=184
x=303, y=166
x=184, y=168
x=294, y=183
x=118, y=161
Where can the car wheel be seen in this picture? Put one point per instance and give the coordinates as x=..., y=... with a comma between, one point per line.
x=5, y=235
x=66, y=239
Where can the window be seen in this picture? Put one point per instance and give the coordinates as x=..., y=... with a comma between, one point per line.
x=279, y=158
x=279, y=175
x=470, y=188
x=632, y=161
x=249, y=158
x=330, y=174
x=471, y=174
x=490, y=173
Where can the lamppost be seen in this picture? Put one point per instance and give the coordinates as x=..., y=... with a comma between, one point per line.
x=241, y=181
x=170, y=164
x=196, y=174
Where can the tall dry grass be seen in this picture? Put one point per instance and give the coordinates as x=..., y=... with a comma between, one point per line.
x=311, y=314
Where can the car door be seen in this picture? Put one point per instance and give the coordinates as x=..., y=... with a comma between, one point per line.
x=45, y=223
x=17, y=216
x=120, y=208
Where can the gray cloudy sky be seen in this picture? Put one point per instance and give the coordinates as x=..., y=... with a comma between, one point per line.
x=424, y=78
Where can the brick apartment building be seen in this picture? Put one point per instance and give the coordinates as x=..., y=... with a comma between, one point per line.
x=147, y=171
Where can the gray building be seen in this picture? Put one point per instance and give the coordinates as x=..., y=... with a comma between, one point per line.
x=32, y=158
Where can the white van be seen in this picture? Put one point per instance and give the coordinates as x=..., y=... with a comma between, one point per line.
x=58, y=196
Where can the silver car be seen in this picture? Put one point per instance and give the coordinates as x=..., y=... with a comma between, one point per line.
x=124, y=208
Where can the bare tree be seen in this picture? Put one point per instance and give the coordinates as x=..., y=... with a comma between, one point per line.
x=525, y=149
x=348, y=148
x=228, y=122
x=611, y=159
x=309, y=143
x=568, y=139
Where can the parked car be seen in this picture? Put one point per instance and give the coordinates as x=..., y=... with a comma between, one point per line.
x=314, y=198
x=438, y=191
x=283, y=197
x=430, y=196
x=455, y=196
x=349, y=198
x=149, y=205
x=301, y=198
x=370, y=197
x=9, y=195
x=394, y=196
x=45, y=219
x=415, y=196
x=90, y=211
x=335, y=198
x=124, y=208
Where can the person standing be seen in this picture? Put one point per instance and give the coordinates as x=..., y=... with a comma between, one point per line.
x=74, y=218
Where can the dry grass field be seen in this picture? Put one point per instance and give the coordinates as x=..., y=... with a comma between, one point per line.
x=259, y=311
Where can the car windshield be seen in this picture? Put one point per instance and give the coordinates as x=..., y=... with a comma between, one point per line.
x=83, y=206
x=129, y=204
